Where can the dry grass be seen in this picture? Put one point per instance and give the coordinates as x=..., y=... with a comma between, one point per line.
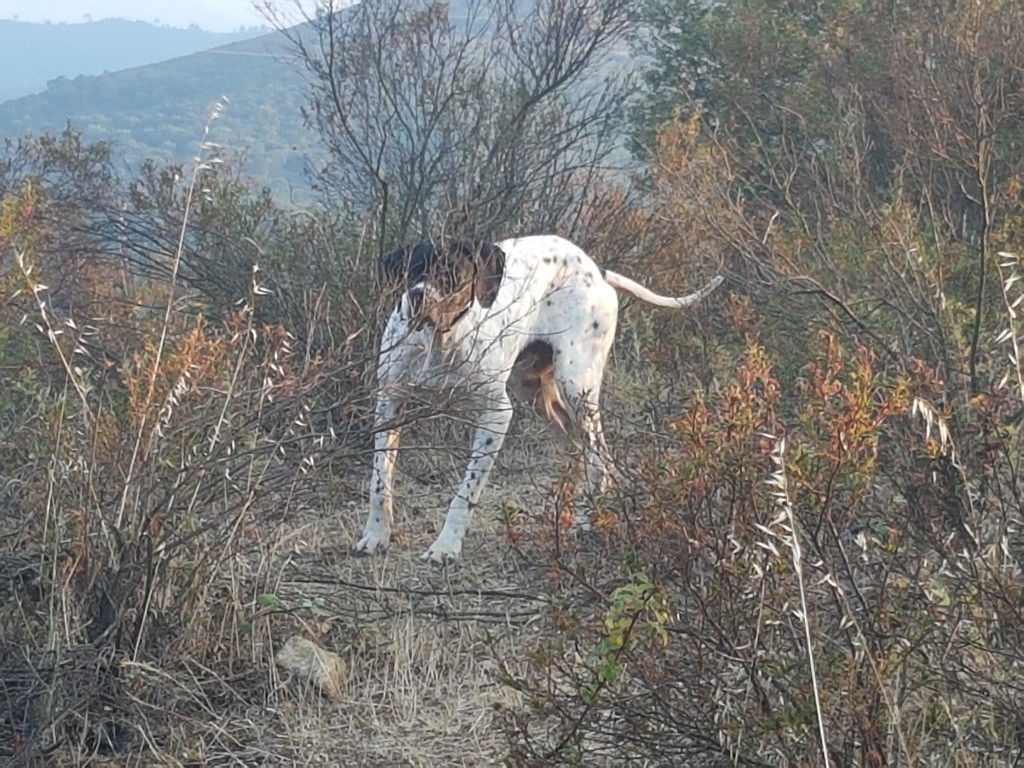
x=421, y=643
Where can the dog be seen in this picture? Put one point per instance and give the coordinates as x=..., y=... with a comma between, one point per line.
x=534, y=315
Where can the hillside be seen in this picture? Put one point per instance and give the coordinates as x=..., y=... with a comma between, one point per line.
x=37, y=53
x=160, y=110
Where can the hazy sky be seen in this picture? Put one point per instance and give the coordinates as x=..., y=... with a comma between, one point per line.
x=214, y=15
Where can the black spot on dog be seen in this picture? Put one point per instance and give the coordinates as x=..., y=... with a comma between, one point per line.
x=596, y=326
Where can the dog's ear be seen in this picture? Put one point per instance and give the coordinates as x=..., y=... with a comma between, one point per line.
x=490, y=269
x=392, y=266
x=408, y=265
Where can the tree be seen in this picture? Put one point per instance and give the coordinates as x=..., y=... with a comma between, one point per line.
x=67, y=186
x=957, y=117
x=489, y=117
x=871, y=154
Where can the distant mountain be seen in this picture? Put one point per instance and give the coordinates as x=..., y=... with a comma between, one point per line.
x=37, y=53
x=160, y=110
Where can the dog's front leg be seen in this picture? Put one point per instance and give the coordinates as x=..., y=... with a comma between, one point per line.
x=492, y=426
x=377, y=532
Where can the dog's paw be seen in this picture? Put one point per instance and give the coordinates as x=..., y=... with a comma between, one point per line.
x=373, y=542
x=447, y=549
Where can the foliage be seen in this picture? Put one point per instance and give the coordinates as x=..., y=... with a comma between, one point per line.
x=154, y=437
x=879, y=179
x=911, y=571
x=816, y=532
x=835, y=524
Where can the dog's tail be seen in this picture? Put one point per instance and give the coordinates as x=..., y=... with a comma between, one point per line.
x=623, y=283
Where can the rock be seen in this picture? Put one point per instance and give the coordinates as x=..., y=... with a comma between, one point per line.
x=309, y=661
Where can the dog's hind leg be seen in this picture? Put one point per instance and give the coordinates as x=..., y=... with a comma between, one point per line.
x=583, y=400
x=579, y=360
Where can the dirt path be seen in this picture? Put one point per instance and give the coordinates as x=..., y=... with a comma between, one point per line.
x=422, y=643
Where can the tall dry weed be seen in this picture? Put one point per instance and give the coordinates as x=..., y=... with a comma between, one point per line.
x=154, y=451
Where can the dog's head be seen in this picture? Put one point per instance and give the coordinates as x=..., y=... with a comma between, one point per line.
x=443, y=278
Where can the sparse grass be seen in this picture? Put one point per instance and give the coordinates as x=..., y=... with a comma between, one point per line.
x=200, y=686
x=421, y=644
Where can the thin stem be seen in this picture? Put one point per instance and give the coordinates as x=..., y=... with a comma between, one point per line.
x=779, y=480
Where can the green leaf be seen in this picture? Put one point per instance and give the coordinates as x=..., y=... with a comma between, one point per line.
x=267, y=600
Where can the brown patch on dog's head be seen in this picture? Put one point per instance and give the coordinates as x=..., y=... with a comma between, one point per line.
x=442, y=279
x=449, y=285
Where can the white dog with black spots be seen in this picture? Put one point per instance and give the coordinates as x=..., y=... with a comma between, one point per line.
x=532, y=314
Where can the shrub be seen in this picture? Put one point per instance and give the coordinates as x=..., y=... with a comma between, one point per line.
x=684, y=636
x=154, y=447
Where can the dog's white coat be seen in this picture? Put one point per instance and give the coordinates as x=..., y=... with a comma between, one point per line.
x=551, y=291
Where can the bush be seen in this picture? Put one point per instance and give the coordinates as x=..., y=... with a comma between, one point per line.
x=155, y=444
x=840, y=523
